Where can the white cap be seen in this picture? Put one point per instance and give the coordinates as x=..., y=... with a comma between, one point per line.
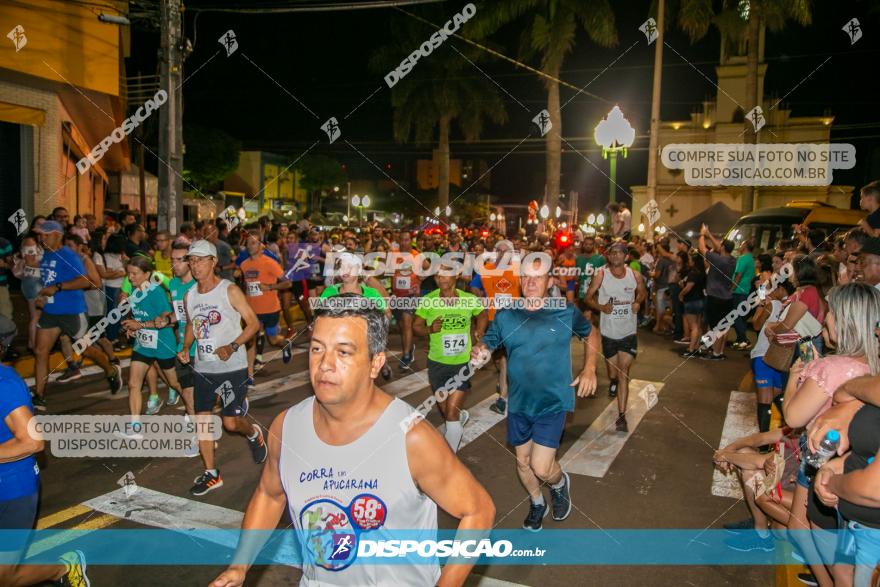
x=504, y=243
x=202, y=248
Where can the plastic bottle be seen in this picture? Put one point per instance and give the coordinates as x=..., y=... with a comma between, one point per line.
x=826, y=449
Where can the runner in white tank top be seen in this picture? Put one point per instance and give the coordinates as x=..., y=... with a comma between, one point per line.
x=615, y=293
x=215, y=309
x=344, y=464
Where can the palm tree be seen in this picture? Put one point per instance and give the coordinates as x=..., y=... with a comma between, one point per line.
x=440, y=89
x=551, y=30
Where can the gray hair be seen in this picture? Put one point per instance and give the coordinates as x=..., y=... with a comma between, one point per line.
x=856, y=308
x=347, y=305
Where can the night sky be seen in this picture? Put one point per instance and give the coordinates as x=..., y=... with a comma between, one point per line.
x=322, y=60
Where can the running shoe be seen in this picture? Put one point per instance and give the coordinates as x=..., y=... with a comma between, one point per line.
x=749, y=541
x=173, y=398
x=808, y=579
x=206, y=482
x=70, y=374
x=741, y=346
x=713, y=357
x=695, y=354
x=560, y=499
x=115, y=380
x=135, y=433
x=259, y=450
x=463, y=417
x=11, y=354
x=612, y=390
x=534, y=520
x=386, y=372
x=258, y=359
x=737, y=527
x=499, y=407
x=286, y=354
x=38, y=402
x=75, y=575
x=406, y=361
x=682, y=341
x=620, y=424
x=192, y=448
x=154, y=404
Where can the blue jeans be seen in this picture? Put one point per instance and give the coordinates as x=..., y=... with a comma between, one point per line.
x=739, y=325
x=867, y=552
x=112, y=329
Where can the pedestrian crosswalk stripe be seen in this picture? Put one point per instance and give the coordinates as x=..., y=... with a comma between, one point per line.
x=86, y=371
x=740, y=421
x=90, y=524
x=594, y=452
x=62, y=516
x=407, y=385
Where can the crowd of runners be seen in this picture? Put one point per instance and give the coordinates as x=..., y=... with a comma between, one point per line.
x=197, y=308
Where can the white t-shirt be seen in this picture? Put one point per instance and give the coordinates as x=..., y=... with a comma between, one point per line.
x=761, y=346
x=111, y=262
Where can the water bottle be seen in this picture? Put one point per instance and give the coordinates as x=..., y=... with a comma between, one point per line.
x=826, y=449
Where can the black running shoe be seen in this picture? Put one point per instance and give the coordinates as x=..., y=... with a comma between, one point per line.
x=560, y=499
x=206, y=482
x=115, y=380
x=807, y=579
x=499, y=406
x=70, y=374
x=612, y=389
x=737, y=527
x=386, y=372
x=533, y=521
x=38, y=402
x=259, y=450
x=714, y=357
x=620, y=424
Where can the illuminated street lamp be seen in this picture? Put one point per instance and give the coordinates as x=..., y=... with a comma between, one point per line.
x=591, y=219
x=365, y=201
x=492, y=217
x=558, y=211
x=448, y=211
x=614, y=134
x=600, y=219
x=545, y=212
x=355, y=200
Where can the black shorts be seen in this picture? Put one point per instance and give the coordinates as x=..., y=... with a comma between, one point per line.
x=717, y=309
x=299, y=289
x=92, y=320
x=612, y=346
x=17, y=514
x=184, y=374
x=164, y=364
x=229, y=388
x=73, y=325
x=439, y=374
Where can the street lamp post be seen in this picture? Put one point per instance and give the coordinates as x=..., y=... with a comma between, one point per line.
x=614, y=134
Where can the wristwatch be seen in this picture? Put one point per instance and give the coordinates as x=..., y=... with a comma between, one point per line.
x=234, y=346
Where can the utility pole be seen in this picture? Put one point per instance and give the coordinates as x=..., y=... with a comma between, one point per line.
x=169, y=205
x=655, y=116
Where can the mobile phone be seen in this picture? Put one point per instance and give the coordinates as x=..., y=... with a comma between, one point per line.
x=807, y=351
x=762, y=292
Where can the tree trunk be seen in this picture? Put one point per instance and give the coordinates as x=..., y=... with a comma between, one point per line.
x=443, y=163
x=752, y=98
x=553, y=143
x=655, y=119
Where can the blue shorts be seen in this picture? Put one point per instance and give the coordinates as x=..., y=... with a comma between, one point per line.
x=695, y=307
x=545, y=430
x=765, y=375
x=571, y=285
x=270, y=323
x=17, y=514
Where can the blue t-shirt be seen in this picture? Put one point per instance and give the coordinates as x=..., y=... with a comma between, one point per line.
x=18, y=478
x=58, y=267
x=244, y=256
x=158, y=343
x=538, y=348
x=178, y=293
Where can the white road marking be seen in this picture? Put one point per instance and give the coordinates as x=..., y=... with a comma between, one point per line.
x=407, y=385
x=480, y=421
x=594, y=452
x=481, y=581
x=86, y=371
x=740, y=421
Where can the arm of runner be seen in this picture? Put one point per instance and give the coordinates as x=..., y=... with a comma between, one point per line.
x=447, y=482
x=262, y=515
x=252, y=323
x=92, y=274
x=21, y=445
x=592, y=299
x=420, y=326
x=189, y=337
x=641, y=291
x=585, y=382
x=480, y=325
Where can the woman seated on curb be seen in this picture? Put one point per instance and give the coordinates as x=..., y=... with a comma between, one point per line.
x=851, y=483
x=772, y=508
x=853, y=310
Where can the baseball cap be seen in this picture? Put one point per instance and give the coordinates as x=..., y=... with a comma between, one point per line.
x=618, y=245
x=871, y=246
x=49, y=226
x=202, y=248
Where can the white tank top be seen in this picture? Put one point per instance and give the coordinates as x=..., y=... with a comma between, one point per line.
x=621, y=322
x=360, y=491
x=215, y=323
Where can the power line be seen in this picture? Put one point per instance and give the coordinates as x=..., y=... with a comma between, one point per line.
x=313, y=7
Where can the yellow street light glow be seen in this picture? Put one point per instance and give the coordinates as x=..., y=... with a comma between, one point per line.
x=641, y=227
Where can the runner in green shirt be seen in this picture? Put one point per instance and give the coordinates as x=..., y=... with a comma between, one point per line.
x=587, y=262
x=446, y=316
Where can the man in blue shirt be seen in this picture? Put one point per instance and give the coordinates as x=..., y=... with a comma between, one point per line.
x=19, y=490
x=63, y=309
x=537, y=337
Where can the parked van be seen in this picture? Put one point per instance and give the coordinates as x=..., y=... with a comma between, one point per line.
x=768, y=226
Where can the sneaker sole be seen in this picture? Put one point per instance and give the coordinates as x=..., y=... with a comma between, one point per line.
x=209, y=489
x=68, y=380
x=546, y=511
x=155, y=411
x=568, y=485
x=463, y=417
x=740, y=549
x=83, y=566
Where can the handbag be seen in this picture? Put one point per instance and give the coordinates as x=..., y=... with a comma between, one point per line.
x=779, y=355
